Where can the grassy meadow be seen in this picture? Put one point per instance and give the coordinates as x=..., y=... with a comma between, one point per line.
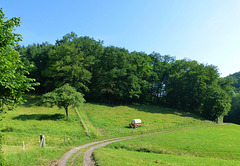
x=97, y=122
x=114, y=120
x=28, y=123
x=218, y=145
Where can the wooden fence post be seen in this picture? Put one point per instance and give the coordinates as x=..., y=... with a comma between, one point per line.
x=23, y=146
x=42, y=141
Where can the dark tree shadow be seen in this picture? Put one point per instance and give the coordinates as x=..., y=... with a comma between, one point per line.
x=32, y=100
x=166, y=110
x=39, y=117
x=150, y=108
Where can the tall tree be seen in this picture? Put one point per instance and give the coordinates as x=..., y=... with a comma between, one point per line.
x=160, y=75
x=71, y=61
x=36, y=57
x=13, y=79
x=217, y=103
x=198, y=88
x=13, y=82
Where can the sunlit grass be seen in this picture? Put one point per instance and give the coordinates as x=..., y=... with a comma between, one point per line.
x=113, y=120
x=109, y=157
x=218, y=145
x=30, y=121
x=27, y=123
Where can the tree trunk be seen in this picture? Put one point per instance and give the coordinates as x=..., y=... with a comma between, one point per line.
x=66, y=109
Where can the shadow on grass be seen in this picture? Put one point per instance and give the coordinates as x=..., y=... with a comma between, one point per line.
x=39, y=117
x=32, y=100
x=157, y=109
x=166, y=110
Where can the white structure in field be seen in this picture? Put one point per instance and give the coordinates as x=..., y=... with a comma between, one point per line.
x=134, y=121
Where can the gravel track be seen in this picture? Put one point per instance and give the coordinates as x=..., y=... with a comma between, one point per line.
x=88, y=159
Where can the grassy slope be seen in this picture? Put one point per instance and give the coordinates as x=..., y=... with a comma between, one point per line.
x=217, y=145
x=30, y=121
x=111, y=119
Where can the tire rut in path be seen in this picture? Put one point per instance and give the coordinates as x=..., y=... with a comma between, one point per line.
x=88, y=158
x=63, y=161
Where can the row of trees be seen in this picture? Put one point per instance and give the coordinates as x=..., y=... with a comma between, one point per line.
x=115, y=75
x=107, y=74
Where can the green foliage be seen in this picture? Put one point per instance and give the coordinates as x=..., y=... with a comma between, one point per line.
x=35, y=58
x=13, y=82
x=115, y=75
x=234, y=114
x=63, y=97
x=217, y=104
x=71, y=61
x=8, y=38
x=236, y=81
x=198, y=88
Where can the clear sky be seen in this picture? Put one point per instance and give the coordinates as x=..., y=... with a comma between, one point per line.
x=204, y=30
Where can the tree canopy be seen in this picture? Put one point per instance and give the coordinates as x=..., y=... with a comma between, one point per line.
x=13, y=79
x=63, y=97
x=234, y=114
x=115, y=75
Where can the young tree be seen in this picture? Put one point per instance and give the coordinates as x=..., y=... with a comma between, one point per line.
x=63, y=97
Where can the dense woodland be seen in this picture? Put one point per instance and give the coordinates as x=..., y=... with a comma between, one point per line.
x=234, y=114
x=114, y=75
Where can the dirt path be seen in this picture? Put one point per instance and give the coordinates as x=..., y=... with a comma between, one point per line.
x=88, y=160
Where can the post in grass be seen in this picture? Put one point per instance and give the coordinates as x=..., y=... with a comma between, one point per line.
x=42, y=141
x=23, y=146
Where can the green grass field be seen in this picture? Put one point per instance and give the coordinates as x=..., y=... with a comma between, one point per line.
x=28, y=123
x=113, y=120
x=218, y=145
x=99, y=121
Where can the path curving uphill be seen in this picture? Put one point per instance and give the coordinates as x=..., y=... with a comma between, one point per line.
x=88, y=158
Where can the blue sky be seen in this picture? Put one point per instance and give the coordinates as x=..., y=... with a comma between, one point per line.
x=204, y=30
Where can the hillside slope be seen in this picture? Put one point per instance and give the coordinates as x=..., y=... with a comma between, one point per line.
x=102, y=121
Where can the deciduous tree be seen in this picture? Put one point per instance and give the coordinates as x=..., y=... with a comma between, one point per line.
x=63, y=97
x=13, y=80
